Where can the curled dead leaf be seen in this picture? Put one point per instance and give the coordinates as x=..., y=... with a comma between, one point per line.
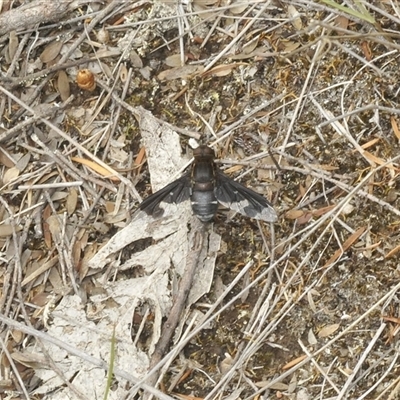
x=85, y=80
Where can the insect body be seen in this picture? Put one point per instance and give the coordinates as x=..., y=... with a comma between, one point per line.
x=206, y=186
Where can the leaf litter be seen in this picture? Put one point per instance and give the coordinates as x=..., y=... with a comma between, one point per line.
x=301, y=98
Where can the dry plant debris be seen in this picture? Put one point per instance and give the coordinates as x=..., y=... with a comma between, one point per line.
x=300, y=100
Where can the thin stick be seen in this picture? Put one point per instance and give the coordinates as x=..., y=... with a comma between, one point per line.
x=197, y=234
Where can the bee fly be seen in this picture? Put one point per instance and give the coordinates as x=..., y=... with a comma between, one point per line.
x=206, y=186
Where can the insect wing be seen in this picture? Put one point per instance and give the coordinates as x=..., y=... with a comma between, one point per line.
x=239, y=198
x=176, y=192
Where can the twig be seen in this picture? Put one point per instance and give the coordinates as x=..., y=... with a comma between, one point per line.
x=36, y=12
x=197, y=237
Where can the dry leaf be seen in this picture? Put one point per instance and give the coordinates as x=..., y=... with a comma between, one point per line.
x=184, y=72
x=110, y=206
x=222, y=70
x=63, y=85
x=289, y=46
x=76, y=255
x=174, y=60
x=345, y=246
x=395, y=127
x=51, y=51
x=88, y=254
x=366, y=50
x=23, y=162
x=10, y=175
x=391, y=319
x=6, y=230
x=294, y=214
x=233, y=169
x=322, y=211
x=17, y=335
x=4, y=160
x=200, y=6
x=45, y=266
x=393, y=251
x=140, y=159
x=13, y=44
x=108, y=52
x=295, y=17
x=29, y=360
x=325, y=167
x=391, y=195
x=136, y=61
x=95, y=167
x=370, y=143
x=312, y=340
x=294, y=362
x=328, y=330
x=377, y=160
x=341, y=22
x=305, y=218
x=72, y=201
x=274, y=386
x=46, y=231
x=205, y=3
x=54, y=226
x=239, y=8
x=251, y=46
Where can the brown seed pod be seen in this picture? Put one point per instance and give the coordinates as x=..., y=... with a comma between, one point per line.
x=85, y=80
